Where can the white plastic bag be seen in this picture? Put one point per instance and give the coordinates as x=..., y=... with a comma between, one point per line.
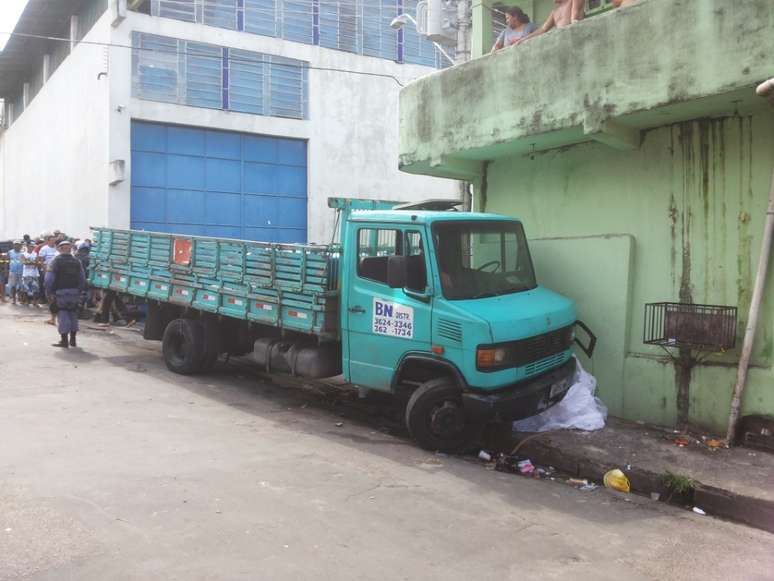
x=579, y=410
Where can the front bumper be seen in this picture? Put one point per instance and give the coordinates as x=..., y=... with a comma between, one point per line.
x=523, y=400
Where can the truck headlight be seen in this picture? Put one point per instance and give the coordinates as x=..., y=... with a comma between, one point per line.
x=488, y=357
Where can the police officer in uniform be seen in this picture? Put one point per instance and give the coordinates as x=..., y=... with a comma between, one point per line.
x=65, y=280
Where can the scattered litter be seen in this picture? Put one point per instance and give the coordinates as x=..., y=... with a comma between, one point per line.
x=525, y=467
x=681, y=441
x=655, y=495
x=508, y=464
x=588, y=487
x=339, y=424
x=577, y=481
x=697, y=510
x=485, y=456
x=628, y=467
x=617, y=480
x=579, y=409
x=714, y=444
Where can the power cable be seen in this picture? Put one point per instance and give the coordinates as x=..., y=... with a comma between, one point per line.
x=305, y=66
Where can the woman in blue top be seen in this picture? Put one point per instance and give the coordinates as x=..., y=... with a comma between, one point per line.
x=517, y=26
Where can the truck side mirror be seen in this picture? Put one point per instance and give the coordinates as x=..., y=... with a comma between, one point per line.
x=397, y=271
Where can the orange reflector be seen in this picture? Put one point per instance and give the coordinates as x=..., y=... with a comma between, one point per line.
x=437, y=349
x=485, y=358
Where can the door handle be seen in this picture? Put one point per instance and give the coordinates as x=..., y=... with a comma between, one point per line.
x=357, y=309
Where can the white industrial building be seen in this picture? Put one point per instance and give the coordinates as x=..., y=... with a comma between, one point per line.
x=234, y=118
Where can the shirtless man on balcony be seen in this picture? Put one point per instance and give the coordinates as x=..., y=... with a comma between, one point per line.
x=565, y=12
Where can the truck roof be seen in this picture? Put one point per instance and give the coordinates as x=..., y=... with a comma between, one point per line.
x=424, y=216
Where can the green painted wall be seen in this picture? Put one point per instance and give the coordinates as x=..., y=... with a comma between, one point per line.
x=679, y=218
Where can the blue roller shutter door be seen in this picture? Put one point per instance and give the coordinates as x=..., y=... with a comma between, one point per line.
x=216, y=183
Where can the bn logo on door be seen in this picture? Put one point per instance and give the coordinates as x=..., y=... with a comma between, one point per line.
x=393, y=319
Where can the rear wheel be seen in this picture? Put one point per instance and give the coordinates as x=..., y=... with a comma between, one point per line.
x=435, y=417
x=183, y=346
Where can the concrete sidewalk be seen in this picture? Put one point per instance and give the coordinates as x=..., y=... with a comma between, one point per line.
x=736, y=483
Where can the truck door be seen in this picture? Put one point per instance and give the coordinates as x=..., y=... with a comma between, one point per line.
x=383, y=322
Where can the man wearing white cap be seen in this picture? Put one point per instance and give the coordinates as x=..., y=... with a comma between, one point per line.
x=64, y=282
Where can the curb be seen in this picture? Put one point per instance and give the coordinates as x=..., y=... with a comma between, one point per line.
x=748, y=510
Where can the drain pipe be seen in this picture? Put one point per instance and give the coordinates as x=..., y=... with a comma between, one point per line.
x=766, y=90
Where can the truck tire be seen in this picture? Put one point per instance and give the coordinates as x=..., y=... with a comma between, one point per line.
x=183, y=346
x=436, y=419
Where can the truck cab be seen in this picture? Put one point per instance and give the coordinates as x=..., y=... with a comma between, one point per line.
x=447, y=304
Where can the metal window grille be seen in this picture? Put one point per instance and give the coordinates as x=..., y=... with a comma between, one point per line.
x=261, y=17
x=247, y=79
x=357, y=26
x=188, y=73
x=700, y=327
x=220, y=13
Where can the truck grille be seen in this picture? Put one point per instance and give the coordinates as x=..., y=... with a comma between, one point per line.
x=534, y=349
x=539, y=367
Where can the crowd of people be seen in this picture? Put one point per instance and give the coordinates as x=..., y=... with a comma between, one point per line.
x=51, y=269
x=519, y=28
x=24, y=266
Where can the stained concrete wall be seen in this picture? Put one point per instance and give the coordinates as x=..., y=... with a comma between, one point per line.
x=605, y=78
x=678, y=220
x=56, y=154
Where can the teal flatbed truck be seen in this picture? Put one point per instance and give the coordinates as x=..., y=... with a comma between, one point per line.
x=417, y=299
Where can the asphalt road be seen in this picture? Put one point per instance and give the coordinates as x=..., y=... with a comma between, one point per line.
x=113, y=468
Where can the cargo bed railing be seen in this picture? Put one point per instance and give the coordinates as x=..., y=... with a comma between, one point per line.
x=286, y=285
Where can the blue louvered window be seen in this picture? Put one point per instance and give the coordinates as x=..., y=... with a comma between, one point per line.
x=287, y=88
x=220, y=13
x=297, y=20
x=155, y=68
x=177, y=9
x=357, y=26
x=379, y=39
x=246, y=82
x=203, y=75
x=340, y=25
x=260, y=17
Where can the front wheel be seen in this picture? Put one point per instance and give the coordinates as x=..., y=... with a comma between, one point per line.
x=183, y=346
x=435, y=417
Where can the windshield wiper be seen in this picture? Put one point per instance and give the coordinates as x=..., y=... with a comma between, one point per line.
x=485, y=294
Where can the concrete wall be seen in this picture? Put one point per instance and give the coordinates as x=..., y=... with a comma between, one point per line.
x=678, y=220
x=352, y=130
x=56, y=155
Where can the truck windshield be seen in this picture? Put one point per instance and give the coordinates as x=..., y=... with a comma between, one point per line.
x=480, y=259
